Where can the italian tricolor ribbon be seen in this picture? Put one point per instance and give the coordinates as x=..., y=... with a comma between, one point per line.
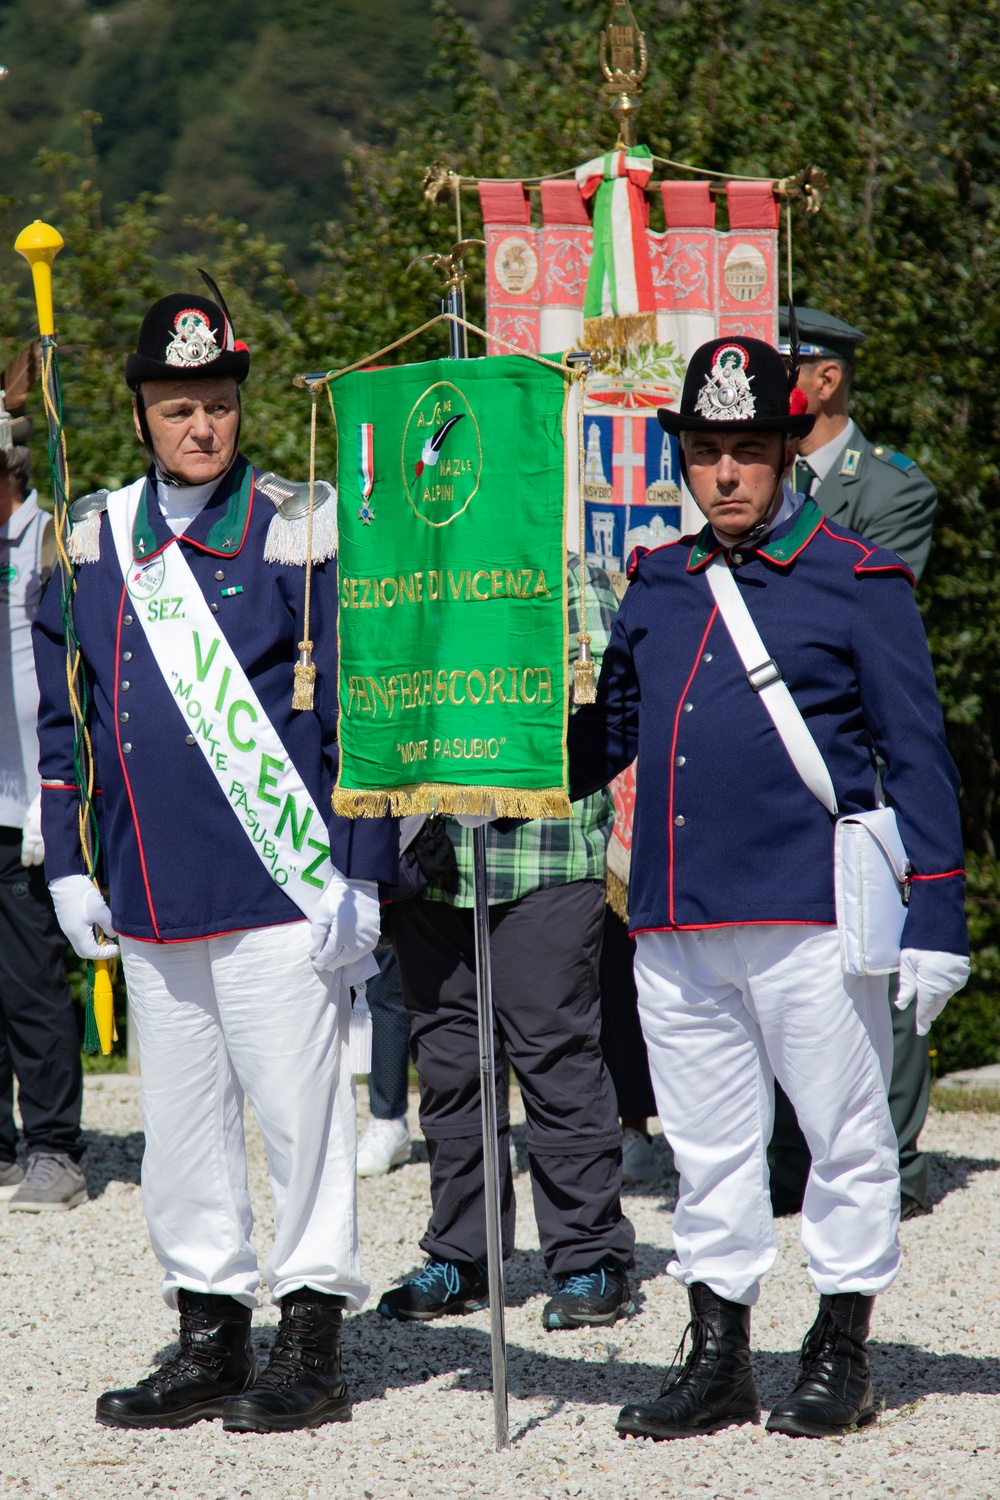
x=620, y=280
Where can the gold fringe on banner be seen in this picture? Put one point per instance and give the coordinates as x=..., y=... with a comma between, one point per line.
x=616, y=895
x=619, y=333
x=439, y=797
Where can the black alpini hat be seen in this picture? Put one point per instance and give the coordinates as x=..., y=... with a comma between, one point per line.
x=186, y=337
x=734, y=384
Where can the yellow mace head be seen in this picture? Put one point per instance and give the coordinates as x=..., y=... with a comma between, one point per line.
x=40, y=244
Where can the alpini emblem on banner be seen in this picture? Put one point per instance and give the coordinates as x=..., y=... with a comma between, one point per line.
x=442, y=457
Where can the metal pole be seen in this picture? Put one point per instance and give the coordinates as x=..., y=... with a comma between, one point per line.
x=487, y=1064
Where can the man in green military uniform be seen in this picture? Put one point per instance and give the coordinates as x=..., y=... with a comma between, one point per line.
x=880, y=493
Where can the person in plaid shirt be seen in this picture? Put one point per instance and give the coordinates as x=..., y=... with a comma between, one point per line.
x=546, y=882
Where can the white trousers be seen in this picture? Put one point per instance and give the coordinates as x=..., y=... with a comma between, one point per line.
x=219, y=1019
x=724, y=1011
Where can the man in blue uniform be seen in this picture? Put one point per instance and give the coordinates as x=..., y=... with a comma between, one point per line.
x=738, y=960
x=244, y=907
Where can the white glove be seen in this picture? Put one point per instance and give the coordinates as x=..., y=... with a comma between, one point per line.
x=933, y=978
x=347, y=924
x=32, y=848
x=79, y=904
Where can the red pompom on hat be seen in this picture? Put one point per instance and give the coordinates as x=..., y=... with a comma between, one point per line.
x=798, y=403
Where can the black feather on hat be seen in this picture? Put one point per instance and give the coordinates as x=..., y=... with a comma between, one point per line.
x=737, y=384
x=186, y=337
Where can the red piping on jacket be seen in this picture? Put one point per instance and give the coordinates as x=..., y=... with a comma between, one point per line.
x=714, y=926
x=121, y=757
x=899, y=567
x=947, y=875
x=673, y=753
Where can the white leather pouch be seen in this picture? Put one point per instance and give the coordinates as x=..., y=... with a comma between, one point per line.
x=871, y=885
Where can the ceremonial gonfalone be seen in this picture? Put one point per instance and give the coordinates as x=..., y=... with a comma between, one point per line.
x=453, y=630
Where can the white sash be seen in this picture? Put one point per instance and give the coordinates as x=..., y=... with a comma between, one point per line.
x=216, y=701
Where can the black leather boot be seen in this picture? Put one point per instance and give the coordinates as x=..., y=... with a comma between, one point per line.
x=714, y=1386
x=833, y=1393
x=215, y=1360
x=302, y=1385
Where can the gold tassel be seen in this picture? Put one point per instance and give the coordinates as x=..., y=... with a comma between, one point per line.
x=305, y=678
x=616, y=895
x=584, y=685
x=303, y=690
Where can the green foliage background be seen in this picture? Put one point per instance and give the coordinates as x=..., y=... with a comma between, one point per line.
x=285, y=151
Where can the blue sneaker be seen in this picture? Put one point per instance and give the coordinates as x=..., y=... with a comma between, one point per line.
x=442, y=1287
x=590, y=1299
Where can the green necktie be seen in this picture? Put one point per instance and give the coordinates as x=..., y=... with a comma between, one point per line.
x=805, y=477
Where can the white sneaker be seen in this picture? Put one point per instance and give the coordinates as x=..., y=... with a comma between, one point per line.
x=640, y=1159
x=385, y=1144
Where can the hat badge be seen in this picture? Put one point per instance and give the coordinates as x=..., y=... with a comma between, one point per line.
x=193, y=342
x=725, y=395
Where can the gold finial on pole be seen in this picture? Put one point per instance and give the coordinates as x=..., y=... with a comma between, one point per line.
x=623, y=63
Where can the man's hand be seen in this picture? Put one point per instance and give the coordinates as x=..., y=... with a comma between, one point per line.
x=79, y=905
x=32, y=848
x=347, y=924
x=933, y=978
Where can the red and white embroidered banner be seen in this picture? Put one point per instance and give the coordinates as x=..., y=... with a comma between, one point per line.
x=706, y=283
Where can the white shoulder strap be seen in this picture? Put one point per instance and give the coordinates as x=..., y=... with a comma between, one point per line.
x=764, y=676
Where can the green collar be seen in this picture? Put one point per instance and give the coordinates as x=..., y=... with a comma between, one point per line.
x=224, y=535
x=781, y=550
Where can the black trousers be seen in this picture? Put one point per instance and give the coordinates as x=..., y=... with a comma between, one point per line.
x=909, y=1095
x=545, y=952
x=39, y=1036
x=387, y=1081
x=622, y=1041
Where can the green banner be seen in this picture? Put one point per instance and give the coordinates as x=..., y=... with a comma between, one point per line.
x=452, y=574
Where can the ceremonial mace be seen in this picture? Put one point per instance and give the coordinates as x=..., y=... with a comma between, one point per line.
x=451, y=264
x=40, y=244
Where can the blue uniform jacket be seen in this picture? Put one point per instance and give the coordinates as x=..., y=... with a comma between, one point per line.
x=177, y=861
x=725, y=831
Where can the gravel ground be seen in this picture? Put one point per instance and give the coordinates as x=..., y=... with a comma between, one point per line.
x=82, y=1311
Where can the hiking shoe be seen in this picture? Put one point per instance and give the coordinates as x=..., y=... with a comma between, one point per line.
x=53, y=1183
x=640, y=1160
x=442, y=1287
x=593, y=1298
x=385, y=1144
x=11, y=1177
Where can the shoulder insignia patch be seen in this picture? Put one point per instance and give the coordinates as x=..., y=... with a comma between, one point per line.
x=286, y=535
x=85, y=535
x=635, y=557
x=852, y=458
x=890, y=456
